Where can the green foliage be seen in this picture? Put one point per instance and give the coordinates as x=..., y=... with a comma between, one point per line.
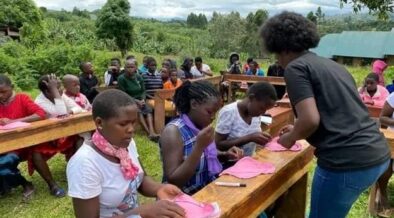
x=113, y=22
x=381, y=8
x=312, y=17
x=17, y=12
x=197, y=21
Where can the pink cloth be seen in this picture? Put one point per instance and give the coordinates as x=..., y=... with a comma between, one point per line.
x=14, y=125
x=195, y=209
x=273, y=145
x=129, y=170
x=248, y=167
x=379, y=98
x=378, y=67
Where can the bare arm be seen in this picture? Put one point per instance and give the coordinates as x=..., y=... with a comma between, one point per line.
x=386, y=114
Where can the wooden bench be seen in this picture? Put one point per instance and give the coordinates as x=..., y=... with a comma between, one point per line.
x=291, y=176
x=281, y=116
x=237, y=78
x=374, y=111
x=45, y=131
x=162, y=95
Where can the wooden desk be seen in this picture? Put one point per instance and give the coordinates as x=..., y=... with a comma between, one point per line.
x=389, y=135
x=281, y=116
x=374, y=111
x=284, y=102
x=237, y=78
x=45, y=131
x=260, y=192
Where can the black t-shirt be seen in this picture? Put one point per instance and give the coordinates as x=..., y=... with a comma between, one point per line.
x=87, y=84
x=347, y=138
x=277, y=71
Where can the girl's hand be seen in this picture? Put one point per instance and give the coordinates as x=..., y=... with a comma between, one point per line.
x=205, y=137
x=162, y=209
x=286, y=129
x=168, y=192
x=234, y=153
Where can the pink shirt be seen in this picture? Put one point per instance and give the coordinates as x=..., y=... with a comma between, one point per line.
x=378, y=98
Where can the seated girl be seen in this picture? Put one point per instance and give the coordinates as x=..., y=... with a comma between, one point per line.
x=189, y=154
x=173, y=82
x=372, y=93
x=15, y=107
x=105, y=174
x=55, y=106
x=239, y=122
x=133, y=84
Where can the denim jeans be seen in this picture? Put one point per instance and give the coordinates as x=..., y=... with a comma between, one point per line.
x=334, y=192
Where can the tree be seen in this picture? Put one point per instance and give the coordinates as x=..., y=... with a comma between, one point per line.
x=380, y=7
x=113, y=22
x=16, y=12
x=197, y=21
x=253, y=22
x=319, y=14
x=312, y=17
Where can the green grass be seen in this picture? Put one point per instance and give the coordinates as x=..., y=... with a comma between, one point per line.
x=44, y=205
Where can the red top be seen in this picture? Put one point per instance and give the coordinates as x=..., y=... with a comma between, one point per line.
x=22, y=106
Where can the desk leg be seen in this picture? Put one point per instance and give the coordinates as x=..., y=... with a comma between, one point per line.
x=294, y=201
x=230, y=92
x=372, y=199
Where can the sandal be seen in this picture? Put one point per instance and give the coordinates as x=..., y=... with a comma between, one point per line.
x=57, y=192
x=28, y=191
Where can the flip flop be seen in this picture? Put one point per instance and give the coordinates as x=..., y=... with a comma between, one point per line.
x=57, y=192
x=386, y=213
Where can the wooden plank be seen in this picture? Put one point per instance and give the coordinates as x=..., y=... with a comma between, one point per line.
x=254, y=79
x=281, y=116
x=44, y=131
x=263, y=190
x=374, y=111
x=389, y=135
x=284, y=102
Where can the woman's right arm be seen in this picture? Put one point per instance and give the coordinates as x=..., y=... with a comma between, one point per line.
x=86, y=208
x=176, y=170
x=386, y=115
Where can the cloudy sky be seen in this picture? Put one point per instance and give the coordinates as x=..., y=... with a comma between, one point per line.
x=168, y=9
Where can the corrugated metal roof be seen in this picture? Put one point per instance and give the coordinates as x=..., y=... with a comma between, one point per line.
x=361, y=44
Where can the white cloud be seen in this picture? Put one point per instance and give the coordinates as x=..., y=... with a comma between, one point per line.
x=167, y=9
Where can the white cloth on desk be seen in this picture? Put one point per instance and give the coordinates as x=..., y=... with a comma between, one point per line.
x=89, y=175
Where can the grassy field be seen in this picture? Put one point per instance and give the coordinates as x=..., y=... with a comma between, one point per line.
x=44, y=205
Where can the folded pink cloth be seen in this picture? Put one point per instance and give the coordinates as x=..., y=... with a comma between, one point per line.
x=195, y=209
x=248, y=167
x=273, y=145
x=14, y=125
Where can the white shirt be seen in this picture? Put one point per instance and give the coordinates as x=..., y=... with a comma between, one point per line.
x=89, y=175
x=197, y=74
x=231, y=123
x=62, y=106
x=390, y=101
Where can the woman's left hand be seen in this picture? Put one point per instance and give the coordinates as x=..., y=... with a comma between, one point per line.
x=234, y=153
x=168, y=192
x=286, y=141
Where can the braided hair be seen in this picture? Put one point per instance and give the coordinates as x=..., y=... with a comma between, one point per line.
x=200, y=91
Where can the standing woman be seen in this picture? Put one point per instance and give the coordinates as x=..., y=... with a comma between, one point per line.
x=351, y=152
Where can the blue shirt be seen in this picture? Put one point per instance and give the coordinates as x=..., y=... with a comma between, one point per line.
x=201, y=176
x=259, y=72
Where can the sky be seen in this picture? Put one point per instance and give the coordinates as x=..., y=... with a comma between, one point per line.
x=179, y=9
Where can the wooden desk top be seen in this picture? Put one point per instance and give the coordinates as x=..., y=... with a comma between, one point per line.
x=254, y=79
x=389, y=135
x=284, y=102
x=276, y=111
x=261, y=191
x=45, y=131
x=374, y=111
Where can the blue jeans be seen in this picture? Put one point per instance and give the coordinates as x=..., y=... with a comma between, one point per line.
x=334, y=192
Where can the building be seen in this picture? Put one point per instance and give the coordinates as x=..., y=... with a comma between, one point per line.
x=9, y=31
x=357, y=47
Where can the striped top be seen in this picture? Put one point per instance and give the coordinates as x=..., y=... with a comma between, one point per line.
x=201, y=177
x=152, y=82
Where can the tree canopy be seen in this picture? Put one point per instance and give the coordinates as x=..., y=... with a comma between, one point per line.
x=380, y=7
x=16, y=12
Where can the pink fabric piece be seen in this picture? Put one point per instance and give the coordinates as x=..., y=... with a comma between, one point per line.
x=195, y=209
x=273, y=145
x=14, y=125
x=248, y=167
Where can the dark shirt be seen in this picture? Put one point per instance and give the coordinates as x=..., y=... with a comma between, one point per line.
x=346, y=138
x=114, y=77
x=87, y=83
x=277, y=71
x=153, y=81
x=133, y=86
